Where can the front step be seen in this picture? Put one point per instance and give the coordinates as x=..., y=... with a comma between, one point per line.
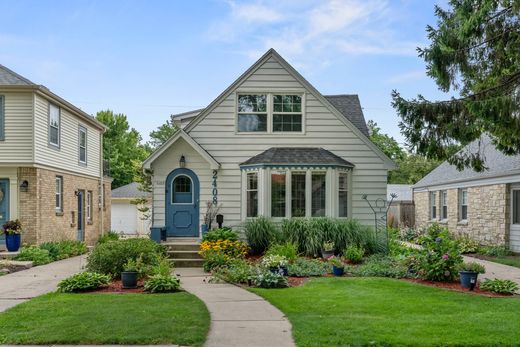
x=184, y=255
x=184, y=252
x=176, y=247
x=187, y=262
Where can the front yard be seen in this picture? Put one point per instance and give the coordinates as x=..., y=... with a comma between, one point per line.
x=176, y=318
x=382, y=311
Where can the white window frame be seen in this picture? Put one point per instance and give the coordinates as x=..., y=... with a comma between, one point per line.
x=272, y=113
x=82, y=130
x=58, y=128
x=266, y=113
x=346, y=173
x=58, y=191
x=255, y=173
x=444, y=203
x=461, y=204
x=433, y=206
x=89, y=206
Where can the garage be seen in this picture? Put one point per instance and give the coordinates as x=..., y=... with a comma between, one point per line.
x=126, y=216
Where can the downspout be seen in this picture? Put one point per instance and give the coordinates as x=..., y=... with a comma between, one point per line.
x=102, y=190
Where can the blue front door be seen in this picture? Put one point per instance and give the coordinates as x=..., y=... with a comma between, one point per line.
x=81, y=224
x=182, y=203
x=4, y=203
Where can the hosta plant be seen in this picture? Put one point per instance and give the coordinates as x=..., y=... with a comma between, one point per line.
x=267, y=279
x=161, y=284
x=83, y=281
x=273, y=261
x=499, y=286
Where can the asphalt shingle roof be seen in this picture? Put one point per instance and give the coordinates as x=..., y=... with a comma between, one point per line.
x=403, y=191
x=296, y=156
x=11, y=78
x=131, y=191
x=350, y=107
x=498, y=164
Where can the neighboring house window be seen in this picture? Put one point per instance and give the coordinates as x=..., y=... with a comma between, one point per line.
x=318, y=194
x=252, y=194
x=433, y=205
x=278, y=194
x=343, y=195
x=298, y=180
x=2, y=118
x=54, y=125
x=89, y=206
x=287, y=113
x=444, y=204
x=82, y=145
x=59, y=193
x=516, y=206
x=463, y=204
x=252, y=113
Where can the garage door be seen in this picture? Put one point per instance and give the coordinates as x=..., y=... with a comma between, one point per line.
x=124, y=218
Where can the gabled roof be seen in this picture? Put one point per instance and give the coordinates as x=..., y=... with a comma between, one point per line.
x=297, y=156
x=403, y=191
x=130, y=191
x=498, y=165
x=10, y=78
x=350, y=107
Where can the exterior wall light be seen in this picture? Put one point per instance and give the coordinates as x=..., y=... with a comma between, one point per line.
x=182, y=161
x=24, y=186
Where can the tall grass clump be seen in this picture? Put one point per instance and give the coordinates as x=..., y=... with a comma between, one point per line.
x=260, y=233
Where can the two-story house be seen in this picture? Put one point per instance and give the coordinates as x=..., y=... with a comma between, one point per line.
x=271, y=145
x=51, y=164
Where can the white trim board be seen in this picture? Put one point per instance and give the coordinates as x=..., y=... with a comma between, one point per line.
x=471, y=183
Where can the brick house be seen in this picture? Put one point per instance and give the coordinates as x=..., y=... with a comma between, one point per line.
x=483, y=205
x=51, y=164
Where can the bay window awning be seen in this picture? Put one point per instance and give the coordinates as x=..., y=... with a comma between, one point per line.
x=296, y=158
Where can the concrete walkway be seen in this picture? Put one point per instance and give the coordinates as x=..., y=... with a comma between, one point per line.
x=238, y=317
x=23, y=285
x=496, y=270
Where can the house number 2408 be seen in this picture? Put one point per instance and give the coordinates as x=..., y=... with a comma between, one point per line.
x=215, y=190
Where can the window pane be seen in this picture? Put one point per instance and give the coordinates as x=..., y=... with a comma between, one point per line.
x=82, y=138
x=182, y=184
x=252, y=181
x=287, y=103
x=464, y=212
x=278, y=194
x=516, y=206
x=252, y=103
x=343, y=181
x=54, y=116
x=287, y=122
x=82, y=154
x=252, y=122
x=252, y=194
x=54, y=135
x=343, y=204
x=298, y=194
x=318, y=194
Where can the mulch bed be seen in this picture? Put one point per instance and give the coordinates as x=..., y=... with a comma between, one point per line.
x=116, y=286
x=297, y=281
x=455, y=286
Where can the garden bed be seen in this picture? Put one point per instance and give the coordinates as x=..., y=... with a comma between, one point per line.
x=455, y=286
x=116, y=286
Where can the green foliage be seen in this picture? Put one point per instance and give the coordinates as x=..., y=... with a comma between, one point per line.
x=499, y=286
x=386, y=143
x=354, y=254
x=494, y=251
x=472, y=267
x=287, y=250
x=130, y=265
x=214, y=260
x=272, y=261
x=440, y=257
x=474, y=52
x=161, y=284
x=380, y=266
x=260, y=233
x=303, y=267
x=110, y=257
x=32, y=253
x=163, y=268
x=109, y=236
x=467, y=244
x=411, y=168
x=267, y=279
x=83, y=281
x=12, y=227
x=336, y=261
x=238, y=271
x=162, y=134
x=221, y=234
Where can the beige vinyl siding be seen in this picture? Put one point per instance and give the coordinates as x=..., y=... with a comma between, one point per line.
x=17, y=145
x=216, y=134
x=66, y=157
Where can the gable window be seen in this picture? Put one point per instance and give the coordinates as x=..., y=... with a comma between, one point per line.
x=298, y=180
x=82, y=145
x=2, y=118
x=343, y=194
x=252, y=194
x=433, y=205
x=252, y=113
x=278, y=194
x=463, y=205
x=318, y=194
x=54, y=125
x=89, y=206
x=444, y=205
x=59, y=194
x=287, y=113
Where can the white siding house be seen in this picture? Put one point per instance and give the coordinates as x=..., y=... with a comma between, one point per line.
x=270, y=145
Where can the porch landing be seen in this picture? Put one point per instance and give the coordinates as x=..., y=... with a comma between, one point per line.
x=184, y=251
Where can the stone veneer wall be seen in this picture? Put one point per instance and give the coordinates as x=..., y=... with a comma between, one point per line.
x=488, y=213
x=37, y=207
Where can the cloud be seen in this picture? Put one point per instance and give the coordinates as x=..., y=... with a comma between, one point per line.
x=409, y=76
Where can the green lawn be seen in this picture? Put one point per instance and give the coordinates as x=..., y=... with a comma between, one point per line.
x=177, y=318
x=511, y=260
x=381, y=311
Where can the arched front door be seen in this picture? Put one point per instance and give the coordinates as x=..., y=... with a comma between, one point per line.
x=182, y=203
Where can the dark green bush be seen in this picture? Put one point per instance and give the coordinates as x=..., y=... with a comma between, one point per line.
x=83, y=281
x=238, y=271
x=302, y=267
x=494, y=251
x=68, y=248
x=214, y=260
x=260, y=233
x=109, y=236
x=161, y=284
x=354, y=254
x=221, y=234
x=287, y=250
x=35, y=254
x=499, y=286
x=110, y=257
x=380, y=266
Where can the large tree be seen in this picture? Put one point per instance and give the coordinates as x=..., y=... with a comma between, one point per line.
x=386, y=143
x=122, y=147
x=162, y=134
x=474, y=53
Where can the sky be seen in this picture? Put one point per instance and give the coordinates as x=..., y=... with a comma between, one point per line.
x=149, y=59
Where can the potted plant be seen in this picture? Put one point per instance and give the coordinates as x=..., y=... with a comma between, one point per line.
x=129, y=274
x=338, y=266
x=327, y=249
x=276, y=264
x=468, y=274
x=12, y=230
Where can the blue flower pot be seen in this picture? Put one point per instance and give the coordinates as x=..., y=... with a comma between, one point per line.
x=338, y=271
x=468, y=279
x=203, y=229
x=12, y=242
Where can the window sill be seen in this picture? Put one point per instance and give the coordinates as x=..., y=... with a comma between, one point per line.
x=58, y=213
x=462, y=222
x=53, y=146
x=443, y=221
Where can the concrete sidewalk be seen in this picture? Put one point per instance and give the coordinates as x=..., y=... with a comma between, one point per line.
x=496, y=270
x=238, y=317
x=23, y=285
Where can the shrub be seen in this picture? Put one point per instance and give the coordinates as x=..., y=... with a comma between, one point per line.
x=219, y=253
x=215, y=260
x=221, y=234
x=260, y=233
x=161, y=284
x=83, y=281
x=69, y=248
x=109, y=236
x=467, y=244
x=273, y=261
x=37, y=255
x=354, y=254
x=288, y=250
x=302, y=267
x=162, y=268
x=267, y=279
x=380, y=266
x=336, y=261
x=238, y=271
x=440, y=257
x=494, y=251
x=109, y=258
x=499, y=286
x=472, y=267
x=53, y=249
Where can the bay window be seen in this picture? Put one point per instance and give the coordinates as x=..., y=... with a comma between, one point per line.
x=252, y=194
x=278, y=179
x=298, y=180
x=342, y=194
x=318, y=194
